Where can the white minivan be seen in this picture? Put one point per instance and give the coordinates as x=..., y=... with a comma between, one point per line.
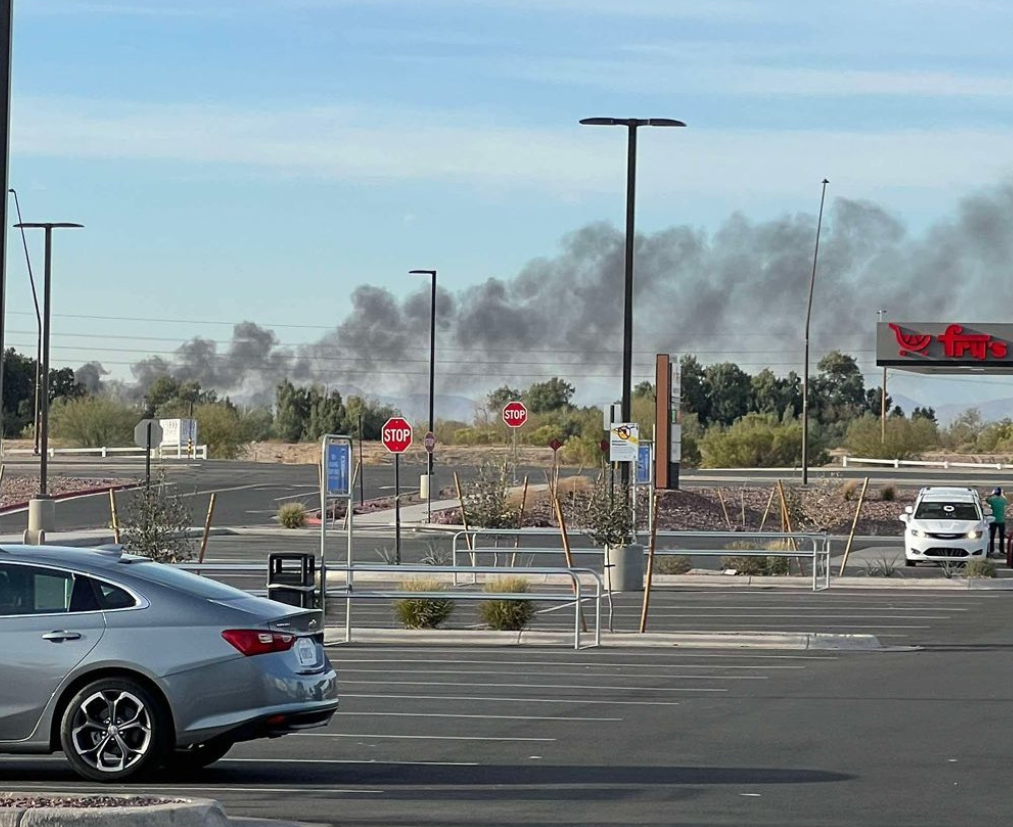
x=945, y=524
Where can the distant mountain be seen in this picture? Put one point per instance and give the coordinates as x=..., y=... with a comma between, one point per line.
x=991, y=411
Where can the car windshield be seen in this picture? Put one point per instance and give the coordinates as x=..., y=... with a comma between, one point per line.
x=185, y=581
x=946, y=511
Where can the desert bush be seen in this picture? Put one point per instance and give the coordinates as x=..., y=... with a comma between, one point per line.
x=292, y=515
x=888, y=493
x=507, y=615
x=487, y=501
x=753, y=566
x=157, y=524
x=883, y=567
x=581, y=450
x=758, y=566
x=94, y=422
x=980, y=568
x=753, y=441
x=672, y=564
x=905, y=438
x=849, y=490
x=422, y=612
x=220, y=428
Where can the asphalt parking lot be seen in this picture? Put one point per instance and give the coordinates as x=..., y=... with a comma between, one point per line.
x=522, y=736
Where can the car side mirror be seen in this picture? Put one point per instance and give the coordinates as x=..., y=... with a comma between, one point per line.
x=909, y=510
x=903, y=517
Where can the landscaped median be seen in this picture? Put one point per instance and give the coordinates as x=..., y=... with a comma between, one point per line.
x=29, y=810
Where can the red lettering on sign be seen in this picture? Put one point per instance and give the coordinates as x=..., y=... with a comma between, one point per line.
x=956, y=344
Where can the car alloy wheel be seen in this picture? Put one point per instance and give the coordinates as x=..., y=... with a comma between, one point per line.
x=112, y=730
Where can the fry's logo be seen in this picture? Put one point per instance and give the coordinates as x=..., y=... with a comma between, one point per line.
x=956, y=344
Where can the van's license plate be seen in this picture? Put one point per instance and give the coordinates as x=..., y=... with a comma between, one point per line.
x=306, y=651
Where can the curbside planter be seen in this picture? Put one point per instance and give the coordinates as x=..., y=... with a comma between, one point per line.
x=193, y=812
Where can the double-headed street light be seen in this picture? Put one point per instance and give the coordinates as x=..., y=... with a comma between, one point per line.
x=805, y=368
x=632, y=124
x=41, y=517
x=432, y=382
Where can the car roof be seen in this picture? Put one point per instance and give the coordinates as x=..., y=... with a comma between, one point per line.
x=943, y=494
x=101, y=557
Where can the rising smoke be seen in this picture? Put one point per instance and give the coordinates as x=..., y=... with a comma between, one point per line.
x=737, y=294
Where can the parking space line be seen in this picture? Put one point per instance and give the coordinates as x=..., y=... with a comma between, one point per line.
x=133, y=789
x=414, y=737
x=344, y=661
x=739, y=616
x=483, y=717
x=492, y=699
x=645, y=653
x=566, y=687
x=369, y=761
x=346, y=670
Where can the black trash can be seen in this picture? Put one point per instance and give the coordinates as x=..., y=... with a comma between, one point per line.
x=291, y=579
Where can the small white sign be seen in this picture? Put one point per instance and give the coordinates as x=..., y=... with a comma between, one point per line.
x=624, y=442
x=675, y=443
x=610, y=414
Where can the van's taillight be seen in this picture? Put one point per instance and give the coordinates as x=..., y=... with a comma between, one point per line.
x=254, y=642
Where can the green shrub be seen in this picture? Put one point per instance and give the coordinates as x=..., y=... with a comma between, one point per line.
x=672, y=564
x=157, y=523
x=754, y=441
x=422, y=612
x=219, y=427
x=905, y=438
x=292, y=515
x=979, y=568
x=758, y=566
x=848, y=490
x=753, y=566
x=507, y=615
x=94, y=422
x=888, y=493
x=581, y=450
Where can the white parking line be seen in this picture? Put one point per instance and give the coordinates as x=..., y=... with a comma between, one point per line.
x=345, y=670
x=567, y=687
x=484, y=717
x=512, y=700
x=106, y=788
x=413, y=737
x=344, y=661
x=697, y=616
x=646, y=653
x=369, y=761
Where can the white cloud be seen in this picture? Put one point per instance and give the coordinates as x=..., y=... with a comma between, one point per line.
x=564, y=160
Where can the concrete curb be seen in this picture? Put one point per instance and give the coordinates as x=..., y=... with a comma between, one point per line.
x=70, y=495
x=695, y=640
x=194, y=812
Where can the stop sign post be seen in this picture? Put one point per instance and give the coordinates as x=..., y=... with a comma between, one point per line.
x=515, y=414
x=396, y=437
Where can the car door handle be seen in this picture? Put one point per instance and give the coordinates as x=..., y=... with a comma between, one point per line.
x=59, y=637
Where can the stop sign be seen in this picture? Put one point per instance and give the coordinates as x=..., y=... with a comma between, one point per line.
x=396, y=435
x=515, y=414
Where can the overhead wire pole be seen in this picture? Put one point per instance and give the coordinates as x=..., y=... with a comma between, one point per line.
x=6, y=37
x=38, y=317
x=805, y=373
x=631, y=124
x=882, y=395
x=432, y=383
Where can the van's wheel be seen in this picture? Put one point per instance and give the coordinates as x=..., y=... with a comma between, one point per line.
x=910, y=563
x=198, y=756
x=114, y=729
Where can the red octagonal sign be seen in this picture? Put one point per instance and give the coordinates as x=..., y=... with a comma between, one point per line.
x=515, y=414
x=396, y=435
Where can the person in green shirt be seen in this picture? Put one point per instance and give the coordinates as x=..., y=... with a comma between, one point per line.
x=997, y=502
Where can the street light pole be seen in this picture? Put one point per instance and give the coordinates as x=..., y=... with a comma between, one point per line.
x=41, y=517
x=432, y=383
x=38, y=318
x=6, y=38
x=882, y=397
x=805, y=374
x=631, y=124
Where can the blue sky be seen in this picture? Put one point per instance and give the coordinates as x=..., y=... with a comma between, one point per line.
x=257, y=159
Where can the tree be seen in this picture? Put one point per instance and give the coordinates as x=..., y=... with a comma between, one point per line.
x=93, y=422
x=754, y=441
x=728, y=388
x=694, y=398
x=905, y=438
x=371, y=414
x=498, y=398
x=18, y=392
x=924, y=413
x=157, y=524
x=326, y=414
x=553, y=395
x=838, y=392
x=161, y=390
x=291, y=411
x=219, y=427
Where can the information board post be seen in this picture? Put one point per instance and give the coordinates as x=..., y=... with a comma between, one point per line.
x=336, y=484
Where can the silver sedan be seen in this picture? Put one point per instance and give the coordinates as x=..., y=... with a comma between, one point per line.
x=127, y=665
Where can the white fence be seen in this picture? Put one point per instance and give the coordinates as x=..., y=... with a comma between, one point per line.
x=848, y=462
x=173, y=452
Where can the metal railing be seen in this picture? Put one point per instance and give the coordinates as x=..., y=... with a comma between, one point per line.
x=164, y=452
x=819, y=550
x=919, y=463
x=576, y=596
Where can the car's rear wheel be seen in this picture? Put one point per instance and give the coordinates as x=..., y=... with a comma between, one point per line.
x=198, y=756
x=114, y=729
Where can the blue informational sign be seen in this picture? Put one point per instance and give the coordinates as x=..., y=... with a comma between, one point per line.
x=644, y=463
x=339, y=469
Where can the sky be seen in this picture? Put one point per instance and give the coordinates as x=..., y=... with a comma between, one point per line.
x=258, y=160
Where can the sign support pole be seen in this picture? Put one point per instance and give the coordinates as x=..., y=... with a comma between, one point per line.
x=397, y=509
x=147, y=459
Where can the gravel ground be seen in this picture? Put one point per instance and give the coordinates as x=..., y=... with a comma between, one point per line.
x=27, y=802
x=17, y=490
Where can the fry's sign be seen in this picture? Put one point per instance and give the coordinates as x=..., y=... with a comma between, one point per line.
x=937, y=345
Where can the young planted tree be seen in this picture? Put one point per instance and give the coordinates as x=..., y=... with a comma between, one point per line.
x=157, y=524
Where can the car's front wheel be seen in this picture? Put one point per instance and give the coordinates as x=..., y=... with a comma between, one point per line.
x=114, y=729
x=198, y=756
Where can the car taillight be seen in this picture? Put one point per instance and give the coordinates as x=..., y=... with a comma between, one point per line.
x=254, y=642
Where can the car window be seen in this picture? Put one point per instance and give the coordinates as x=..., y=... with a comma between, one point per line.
x=947, y=511
x=28, y=590
x=185, y=581
x=113, y=597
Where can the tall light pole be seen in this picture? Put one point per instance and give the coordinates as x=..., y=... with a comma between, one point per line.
x=41, y=513
x=808, y=318
x=631, y=124
x=38, y=319
x=882, y=395
x=6, y=36
x=432, y=382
